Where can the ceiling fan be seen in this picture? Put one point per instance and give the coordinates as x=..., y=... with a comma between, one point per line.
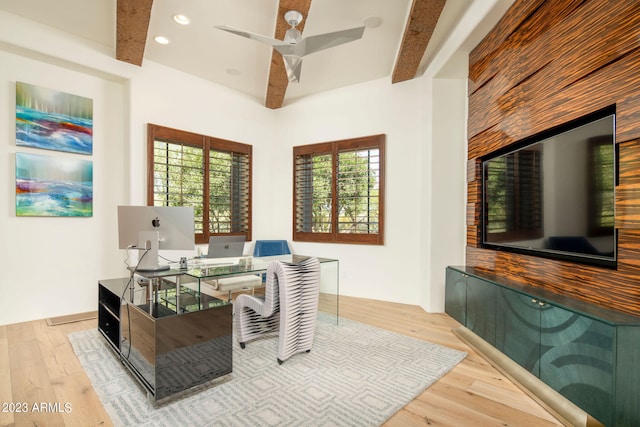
x=294, y=46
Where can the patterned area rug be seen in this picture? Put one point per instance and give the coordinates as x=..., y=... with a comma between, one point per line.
x=356, y=375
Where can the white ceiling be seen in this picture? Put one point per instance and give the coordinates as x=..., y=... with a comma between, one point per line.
x=243, y=64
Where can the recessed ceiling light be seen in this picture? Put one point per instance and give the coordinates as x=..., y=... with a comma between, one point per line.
x=181, y=19
x=372, y=22
x=161, y=40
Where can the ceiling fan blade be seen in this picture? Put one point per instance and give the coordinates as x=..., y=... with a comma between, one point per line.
x=293, y=65
x=312, y=44
x=272, y=42
x=292, y=53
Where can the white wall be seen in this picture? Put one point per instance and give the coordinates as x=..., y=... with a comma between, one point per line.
x=445, y=232
x=50, y=265
x=388, y=272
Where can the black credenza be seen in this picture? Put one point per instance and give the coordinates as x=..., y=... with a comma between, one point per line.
x=169, y=345
x=588, y=354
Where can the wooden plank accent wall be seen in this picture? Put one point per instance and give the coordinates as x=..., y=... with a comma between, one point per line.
x=546, y=63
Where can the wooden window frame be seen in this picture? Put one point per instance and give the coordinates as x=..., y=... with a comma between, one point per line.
x=208, y=144
x=334, y=148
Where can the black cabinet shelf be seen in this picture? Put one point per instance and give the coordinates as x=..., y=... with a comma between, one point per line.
x=109, y=309
x=109, y=326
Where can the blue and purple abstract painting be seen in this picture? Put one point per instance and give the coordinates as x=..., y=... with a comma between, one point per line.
x=53, y=120
x=53, y=186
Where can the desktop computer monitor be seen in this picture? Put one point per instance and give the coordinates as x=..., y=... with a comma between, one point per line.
x=151, y=228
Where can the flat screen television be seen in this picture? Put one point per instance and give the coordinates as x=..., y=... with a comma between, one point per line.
x=553, y=194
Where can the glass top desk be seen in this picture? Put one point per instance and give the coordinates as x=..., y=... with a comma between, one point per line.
x=164, y=328
x=184, y=289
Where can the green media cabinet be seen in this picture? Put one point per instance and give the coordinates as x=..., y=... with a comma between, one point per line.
x=587, y=353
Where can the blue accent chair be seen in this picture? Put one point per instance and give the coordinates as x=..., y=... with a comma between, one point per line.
x=271, y=247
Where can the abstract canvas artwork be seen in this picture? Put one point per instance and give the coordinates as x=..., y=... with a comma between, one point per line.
x=53, y=120
x=53, y=186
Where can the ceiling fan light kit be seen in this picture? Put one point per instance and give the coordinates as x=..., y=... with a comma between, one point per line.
x=293, y=17
x=294, y=46
x=293, y=36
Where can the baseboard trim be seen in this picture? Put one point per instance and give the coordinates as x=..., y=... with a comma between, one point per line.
x=560, y=407
x=71, y=318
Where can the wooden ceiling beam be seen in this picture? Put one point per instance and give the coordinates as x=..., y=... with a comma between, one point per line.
x=132, y=26
x=420, y=25
x=278, y=80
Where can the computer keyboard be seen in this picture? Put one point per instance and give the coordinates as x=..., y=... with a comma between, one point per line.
x=212, y=263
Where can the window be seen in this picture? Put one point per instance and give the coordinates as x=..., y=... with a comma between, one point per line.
x=339, y=191
x=210, y=174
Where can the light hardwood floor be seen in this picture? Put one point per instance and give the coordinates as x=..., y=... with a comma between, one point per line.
x=40, y=373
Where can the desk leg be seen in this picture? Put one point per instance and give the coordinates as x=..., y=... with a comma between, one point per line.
x=154, y=288
x=132, y=285
x=177, y=294
x=330, y=288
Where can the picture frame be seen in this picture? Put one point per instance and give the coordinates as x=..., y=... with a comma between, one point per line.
x=53, y=120
x=53, y=186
